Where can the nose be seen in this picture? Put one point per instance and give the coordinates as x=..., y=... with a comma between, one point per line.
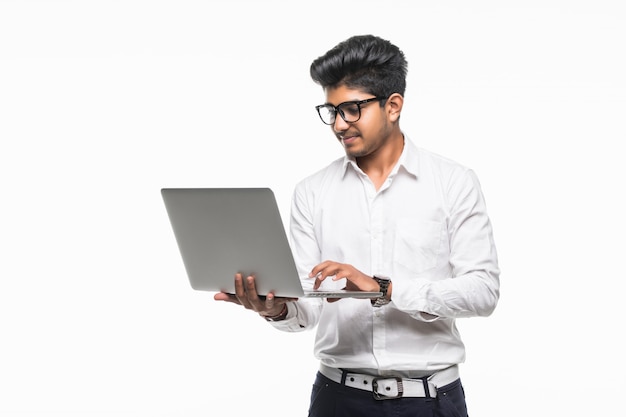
x=340, y=125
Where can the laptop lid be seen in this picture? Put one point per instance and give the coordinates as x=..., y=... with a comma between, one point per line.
x=222, y=231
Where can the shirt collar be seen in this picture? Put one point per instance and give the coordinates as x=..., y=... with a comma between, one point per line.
x=409, y=160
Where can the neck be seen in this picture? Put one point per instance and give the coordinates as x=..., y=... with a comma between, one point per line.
x=378, y=165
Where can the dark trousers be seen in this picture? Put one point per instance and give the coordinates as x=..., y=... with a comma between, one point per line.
x=330, y=399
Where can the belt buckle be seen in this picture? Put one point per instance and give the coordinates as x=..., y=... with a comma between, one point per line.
x=378, y=396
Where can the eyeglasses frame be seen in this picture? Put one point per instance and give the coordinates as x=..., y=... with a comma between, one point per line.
x=337, y=109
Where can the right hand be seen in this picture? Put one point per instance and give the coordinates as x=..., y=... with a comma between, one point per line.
x=247, y=296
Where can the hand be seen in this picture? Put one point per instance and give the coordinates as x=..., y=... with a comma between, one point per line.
x=355, y=279
x=247, y=296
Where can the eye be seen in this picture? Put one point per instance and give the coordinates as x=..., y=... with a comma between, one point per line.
x=350, y=109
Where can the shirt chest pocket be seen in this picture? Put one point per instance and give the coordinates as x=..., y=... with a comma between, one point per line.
x=417, y=244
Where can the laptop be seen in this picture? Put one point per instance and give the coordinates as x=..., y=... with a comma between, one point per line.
x=222, y=231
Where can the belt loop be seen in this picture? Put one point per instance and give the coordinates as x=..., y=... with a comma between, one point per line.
x=344, y=374
x=426, y=389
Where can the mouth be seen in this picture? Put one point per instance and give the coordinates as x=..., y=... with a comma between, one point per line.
x=347, y=139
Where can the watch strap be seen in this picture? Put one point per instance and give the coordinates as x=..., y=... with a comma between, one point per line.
x=383, y=283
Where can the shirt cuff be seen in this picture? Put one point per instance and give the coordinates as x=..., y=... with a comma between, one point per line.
x=409, y=298
x=290, y=323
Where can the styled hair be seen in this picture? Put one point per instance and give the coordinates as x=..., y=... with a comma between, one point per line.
x=364, y=62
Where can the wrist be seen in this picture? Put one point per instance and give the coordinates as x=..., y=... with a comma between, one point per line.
x=278, y=317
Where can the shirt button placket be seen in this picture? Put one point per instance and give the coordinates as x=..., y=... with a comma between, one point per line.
x=376, y=245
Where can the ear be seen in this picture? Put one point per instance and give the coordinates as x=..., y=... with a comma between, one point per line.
x=394, y=106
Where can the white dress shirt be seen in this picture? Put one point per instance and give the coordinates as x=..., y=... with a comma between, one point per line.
x=426, y=229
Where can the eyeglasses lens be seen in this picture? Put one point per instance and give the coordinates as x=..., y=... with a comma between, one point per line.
x=350, y=112
x=327, y=114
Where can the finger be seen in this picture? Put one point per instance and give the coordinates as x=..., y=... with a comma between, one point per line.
x=335, y=276
x=322, y=274
x=318, y=281
x=319, y=268
x=222, y=296
x=256, y=302
x=339, y=274
x=251, y=289
x=240, y=291
x=270, y=301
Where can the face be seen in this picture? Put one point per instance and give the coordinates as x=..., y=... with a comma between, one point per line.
x=367, y=135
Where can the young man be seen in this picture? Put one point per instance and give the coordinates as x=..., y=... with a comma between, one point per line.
x=388, y=216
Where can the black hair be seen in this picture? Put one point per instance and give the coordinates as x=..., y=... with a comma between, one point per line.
x=365, y=62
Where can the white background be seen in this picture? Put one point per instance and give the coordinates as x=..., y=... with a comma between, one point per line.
x=102, y=103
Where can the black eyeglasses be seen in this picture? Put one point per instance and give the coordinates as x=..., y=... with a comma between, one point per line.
x=350, y=111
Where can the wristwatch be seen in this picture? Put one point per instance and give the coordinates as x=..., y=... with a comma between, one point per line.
x=383, y=282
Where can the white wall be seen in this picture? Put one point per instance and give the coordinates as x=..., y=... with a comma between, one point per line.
x=102, y=103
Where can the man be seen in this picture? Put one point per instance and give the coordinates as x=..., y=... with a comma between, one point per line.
x=388, y=216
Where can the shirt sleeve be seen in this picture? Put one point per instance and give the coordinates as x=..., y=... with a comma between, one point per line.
x=296, y=319
x=302, y=314
x=472, y=287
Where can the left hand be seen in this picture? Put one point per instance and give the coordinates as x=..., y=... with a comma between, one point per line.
x=355, y=279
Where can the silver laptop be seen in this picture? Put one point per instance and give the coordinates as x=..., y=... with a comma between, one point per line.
x=222, y=231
